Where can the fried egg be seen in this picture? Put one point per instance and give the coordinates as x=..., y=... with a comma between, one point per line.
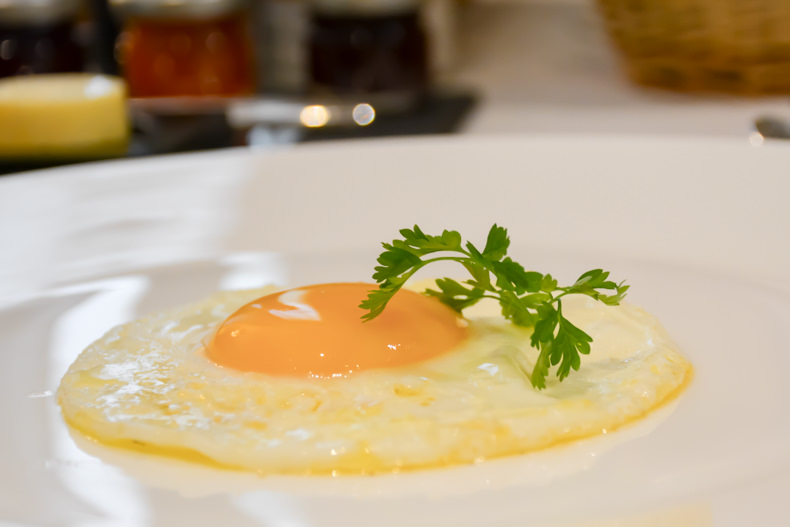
x=292, y=382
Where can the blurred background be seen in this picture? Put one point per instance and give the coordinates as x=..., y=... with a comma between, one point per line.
x=185, y=75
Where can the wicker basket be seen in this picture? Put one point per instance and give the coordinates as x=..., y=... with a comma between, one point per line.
x=733, y=46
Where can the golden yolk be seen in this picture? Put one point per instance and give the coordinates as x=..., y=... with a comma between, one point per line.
x=316, y=331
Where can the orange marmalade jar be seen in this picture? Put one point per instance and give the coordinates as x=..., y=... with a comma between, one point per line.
x=190, y=48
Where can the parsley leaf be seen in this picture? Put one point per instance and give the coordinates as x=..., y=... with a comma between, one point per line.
x=526, y=298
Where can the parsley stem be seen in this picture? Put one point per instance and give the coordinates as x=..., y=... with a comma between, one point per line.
x=422, y=264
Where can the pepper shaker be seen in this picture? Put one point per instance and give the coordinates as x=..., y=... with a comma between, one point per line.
x=38, y=37
x=368, y=47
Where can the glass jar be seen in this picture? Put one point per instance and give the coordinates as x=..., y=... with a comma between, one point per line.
x=38, y=37
x=194, y=48
x=368, y=47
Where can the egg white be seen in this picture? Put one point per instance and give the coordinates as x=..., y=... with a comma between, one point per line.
x=149, y=385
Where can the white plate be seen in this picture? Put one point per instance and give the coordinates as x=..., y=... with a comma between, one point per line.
x=699, y=228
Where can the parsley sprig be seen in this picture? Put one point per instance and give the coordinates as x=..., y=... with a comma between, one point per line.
x=527, y=298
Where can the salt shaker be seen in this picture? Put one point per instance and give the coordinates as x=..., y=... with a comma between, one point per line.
x=194, y=48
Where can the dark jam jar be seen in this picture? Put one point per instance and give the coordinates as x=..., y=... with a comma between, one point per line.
x=38, y=37
x=189, y=48
x=360, y=47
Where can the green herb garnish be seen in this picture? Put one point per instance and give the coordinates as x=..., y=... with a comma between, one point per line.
x=527, y=298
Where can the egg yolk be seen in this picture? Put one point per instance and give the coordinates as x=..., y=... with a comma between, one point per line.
x=316, y=331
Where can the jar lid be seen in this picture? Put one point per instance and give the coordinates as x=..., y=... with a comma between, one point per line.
x=14, y=12
x=364, y=7
x=176, y=8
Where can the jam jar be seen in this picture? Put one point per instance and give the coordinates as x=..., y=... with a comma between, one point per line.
x=362, y=47
x=190, y=48
x=38, y=37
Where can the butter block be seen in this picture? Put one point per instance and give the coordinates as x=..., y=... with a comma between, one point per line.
x=63, y=116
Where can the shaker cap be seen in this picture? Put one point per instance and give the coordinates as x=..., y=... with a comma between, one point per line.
x=176, y=8
x=13, y=12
